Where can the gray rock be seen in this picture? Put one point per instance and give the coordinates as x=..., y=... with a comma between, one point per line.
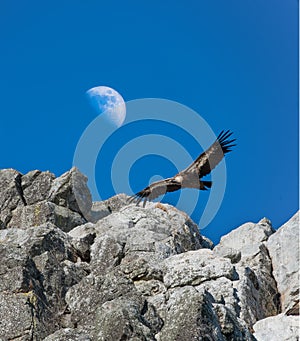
x=283, y=247
x=294, y=310
x=189, y=316
x=246, y=236
x=193, y=315
x=195, y=267
x=70, y=190
x=101, y=209
x=232, y=328
x=125, y=319
x=2, y=225
x=115, y=203
x=43, y=212
x=110, y=308
x=141, y=236
x=37, y=197
x=256, y=290
x=136, y=240
x=160, y=227
x=38, y=265
x=134, y=273
x=16, y=316
x=68, y=334
x=10, y=194
x=93, y=291
x=277, y=328
x=36, y=186
x=106, y=253
x=228, y=252
x=98, y=211
x=83, y=237
x=227, y=296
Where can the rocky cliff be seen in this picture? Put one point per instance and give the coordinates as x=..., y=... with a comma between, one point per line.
x=75, y=270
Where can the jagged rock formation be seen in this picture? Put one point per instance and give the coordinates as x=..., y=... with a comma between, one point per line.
x=75, y=270
x=38, y=198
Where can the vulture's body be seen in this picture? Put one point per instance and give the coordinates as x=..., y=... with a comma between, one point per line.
x=191, y=177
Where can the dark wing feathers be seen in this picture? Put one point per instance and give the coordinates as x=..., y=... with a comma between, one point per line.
x=202, y=166
x=209, y=159
x=155, y=190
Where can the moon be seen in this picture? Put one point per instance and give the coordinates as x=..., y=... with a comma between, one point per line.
x=109, y=103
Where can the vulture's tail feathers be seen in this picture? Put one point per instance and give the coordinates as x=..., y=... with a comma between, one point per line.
x=206, y=185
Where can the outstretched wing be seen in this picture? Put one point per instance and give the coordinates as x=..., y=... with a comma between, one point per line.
x=190, y=177
x=209, y=159
x=156, y=189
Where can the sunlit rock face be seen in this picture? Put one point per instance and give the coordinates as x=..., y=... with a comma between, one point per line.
x=75, y=270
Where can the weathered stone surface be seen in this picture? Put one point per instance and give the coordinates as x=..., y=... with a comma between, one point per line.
x=226, y=296
x=247, y=235
x=133, y=240
x=277, y=328
x=10, y=194
x=228, y=252
x=37, y=267
x=125, y=319
x=37, y=197
x=232, y=327
x=106, y=253
x=70, y=190
x=16, y=316
x=2, y=225
x=189, y=316
x=283, y=247
x=98, y=211
x=83, y=237
x=116, y=202
x=36, y=186
x=110, y=308
x=43, y=212
x=134, y=273
x=68, y=334
x=195, y=267
x=256, y=291
x=101, y=209
x=142, y=235
x=294, y=310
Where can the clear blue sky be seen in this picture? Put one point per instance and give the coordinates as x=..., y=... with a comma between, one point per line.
x=235, y=62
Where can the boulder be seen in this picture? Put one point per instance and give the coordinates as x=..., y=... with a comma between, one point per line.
x=16, y=316
x=283, y=247
x=43, y=212
x=256, y=290
x=36, y=186
x=277, y=328
x=38, y=265
x=98, y=211
x=11, y=194
x=189, y=316
x=195, y=267
x=246, y=236
x=70, y=190
x=38, y=197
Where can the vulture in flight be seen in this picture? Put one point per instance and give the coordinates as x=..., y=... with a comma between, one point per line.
x=191, y=177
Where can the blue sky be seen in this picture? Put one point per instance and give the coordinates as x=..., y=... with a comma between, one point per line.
x=234, y=62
